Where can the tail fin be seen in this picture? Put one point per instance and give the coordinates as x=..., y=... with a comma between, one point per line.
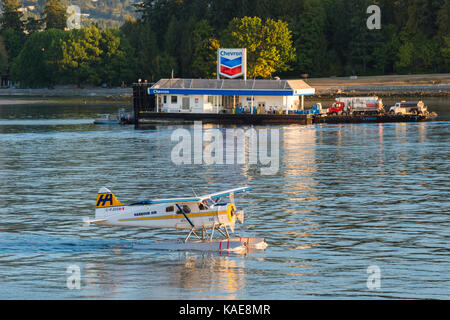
x=105, y=198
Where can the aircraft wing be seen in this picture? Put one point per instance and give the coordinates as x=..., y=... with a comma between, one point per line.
x=225, y=193
x=172, y=200
x=193, y=199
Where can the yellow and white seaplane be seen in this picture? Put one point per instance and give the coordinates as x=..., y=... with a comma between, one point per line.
x=201, y=215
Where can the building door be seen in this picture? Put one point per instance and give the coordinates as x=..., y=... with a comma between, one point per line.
x=185, y=103
x=262, y=107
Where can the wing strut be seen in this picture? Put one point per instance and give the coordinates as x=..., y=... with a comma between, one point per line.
x=190, y=222
x=184, y=214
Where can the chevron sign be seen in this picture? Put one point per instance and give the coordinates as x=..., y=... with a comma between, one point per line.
x=231, y=63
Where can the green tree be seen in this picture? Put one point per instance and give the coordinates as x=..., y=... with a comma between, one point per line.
x=163, y=65
x=55, y=16
x=442, y=36
x=117, y=62
x=419, y=50
x=405, y=56
x=361, y=40
x=269, y=44
x=81, y=56
x=445, y=53
x=11, y=16
x=385, y=53
x=204, y=64
x=38, y=62
x=14, y=41
x=195, y=45
x=172, y=38
x=428, y=55
x=3, y=58
x=33, y=25
x=142, y=40
x=311, y=43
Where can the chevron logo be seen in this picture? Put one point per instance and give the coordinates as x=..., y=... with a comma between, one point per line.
x=231, y=62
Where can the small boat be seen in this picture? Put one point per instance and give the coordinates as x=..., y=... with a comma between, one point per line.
x=107, y=118
x=122, y=117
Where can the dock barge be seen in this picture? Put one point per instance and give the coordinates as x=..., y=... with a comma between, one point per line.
x=217, y=101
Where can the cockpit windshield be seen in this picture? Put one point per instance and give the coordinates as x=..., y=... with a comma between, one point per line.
x=205, y=204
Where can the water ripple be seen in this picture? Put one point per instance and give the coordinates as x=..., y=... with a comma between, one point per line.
x=345, y=197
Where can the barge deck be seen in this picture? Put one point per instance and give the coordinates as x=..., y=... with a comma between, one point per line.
x=144, y=118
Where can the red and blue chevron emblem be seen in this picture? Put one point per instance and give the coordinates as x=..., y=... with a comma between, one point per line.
x=231, y=67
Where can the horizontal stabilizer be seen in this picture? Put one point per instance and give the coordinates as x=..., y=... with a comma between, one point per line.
x=87, y=221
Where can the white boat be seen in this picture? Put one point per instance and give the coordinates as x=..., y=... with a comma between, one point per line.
x=107, y=118
x=122, y=117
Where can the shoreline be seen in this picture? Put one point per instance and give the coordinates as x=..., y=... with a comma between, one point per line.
x=115, y=94
x=427, y=85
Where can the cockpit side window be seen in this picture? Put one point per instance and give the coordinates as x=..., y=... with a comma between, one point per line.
x=186, y=209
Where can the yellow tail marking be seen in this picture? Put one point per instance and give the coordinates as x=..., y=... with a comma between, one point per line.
x=105, y=200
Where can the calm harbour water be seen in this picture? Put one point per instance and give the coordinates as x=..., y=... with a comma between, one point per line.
x=345, y=197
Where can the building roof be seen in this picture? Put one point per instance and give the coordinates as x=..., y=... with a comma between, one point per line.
x=256, y=87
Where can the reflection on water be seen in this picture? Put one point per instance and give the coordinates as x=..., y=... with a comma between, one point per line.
x=202, y=275
x=345, y=197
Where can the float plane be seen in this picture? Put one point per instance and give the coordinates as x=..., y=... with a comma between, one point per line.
x=201, y=215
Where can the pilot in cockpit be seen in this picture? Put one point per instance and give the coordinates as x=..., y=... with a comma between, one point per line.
x=203, y=205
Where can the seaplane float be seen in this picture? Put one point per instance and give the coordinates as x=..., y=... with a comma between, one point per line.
x=207, y=217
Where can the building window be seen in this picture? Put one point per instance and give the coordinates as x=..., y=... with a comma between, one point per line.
x=173, y=99
x=211, y=99
x=164, y=99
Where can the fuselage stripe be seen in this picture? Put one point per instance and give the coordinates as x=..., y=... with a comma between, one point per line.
x=178, y=216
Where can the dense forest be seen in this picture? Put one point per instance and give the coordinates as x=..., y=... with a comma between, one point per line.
x=285, y=38
x=330, y=37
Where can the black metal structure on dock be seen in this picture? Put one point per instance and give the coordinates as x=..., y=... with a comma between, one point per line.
x=142, y=101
